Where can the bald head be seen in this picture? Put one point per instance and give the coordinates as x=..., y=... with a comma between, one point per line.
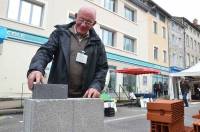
x=88, y=11
x=85, y=19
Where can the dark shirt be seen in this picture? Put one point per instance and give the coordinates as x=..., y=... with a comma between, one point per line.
x=76, y=70
x=184, y=86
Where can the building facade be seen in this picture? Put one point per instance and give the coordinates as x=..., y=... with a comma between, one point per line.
x=192, y=42
x=125, y=27
x=176, y=46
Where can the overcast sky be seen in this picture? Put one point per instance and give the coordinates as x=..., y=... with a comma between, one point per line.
x=189, y=9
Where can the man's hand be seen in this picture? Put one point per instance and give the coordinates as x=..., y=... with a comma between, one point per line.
x=34, y=76
x=91, y=93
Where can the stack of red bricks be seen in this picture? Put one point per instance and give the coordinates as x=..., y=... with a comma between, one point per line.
x=166, y=115
x=196, y=124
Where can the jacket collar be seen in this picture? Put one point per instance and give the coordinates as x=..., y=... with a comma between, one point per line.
x=93, y=35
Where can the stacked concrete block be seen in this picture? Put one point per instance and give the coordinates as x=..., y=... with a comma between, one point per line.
x=63, y=115
x=48, y=115
x=88, y=115
x=50, y=91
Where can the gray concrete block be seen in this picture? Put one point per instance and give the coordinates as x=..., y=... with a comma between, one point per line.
x=48, y=115
x=50, y=91
x=88, y=115
x=64, y=115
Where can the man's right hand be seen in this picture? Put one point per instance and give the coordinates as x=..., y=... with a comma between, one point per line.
x=34, y=76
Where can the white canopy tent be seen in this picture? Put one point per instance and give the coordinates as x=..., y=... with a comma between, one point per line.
x=192, y=71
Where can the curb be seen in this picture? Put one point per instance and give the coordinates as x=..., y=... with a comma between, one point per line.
x=11, y=111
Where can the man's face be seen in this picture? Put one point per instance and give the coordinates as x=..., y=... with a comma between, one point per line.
x=84, y=22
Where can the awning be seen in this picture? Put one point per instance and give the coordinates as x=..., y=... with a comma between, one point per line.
x=3, y=32
x=138, y=71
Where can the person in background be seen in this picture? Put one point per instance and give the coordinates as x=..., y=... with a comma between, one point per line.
x=160, y=89
x=155, y=89
x=78, y=57
x=184, y=85
x=165, y=88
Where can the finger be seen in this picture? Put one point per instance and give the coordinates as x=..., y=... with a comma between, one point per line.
x=38, y=78
x=90, y=93
x=31, y=78
x=42, y=80
x=86, y=94
x=96, y=94
x=30, y=84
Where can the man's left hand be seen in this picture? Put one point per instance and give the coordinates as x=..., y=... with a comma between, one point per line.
x=91, y=93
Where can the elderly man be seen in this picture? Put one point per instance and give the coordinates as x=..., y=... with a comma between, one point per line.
x=78, y=57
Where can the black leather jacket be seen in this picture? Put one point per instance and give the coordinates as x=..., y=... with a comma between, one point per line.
x=57, y=50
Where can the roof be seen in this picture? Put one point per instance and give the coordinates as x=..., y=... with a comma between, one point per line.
x=152, y=3
x=186, y=20
x=140, y=5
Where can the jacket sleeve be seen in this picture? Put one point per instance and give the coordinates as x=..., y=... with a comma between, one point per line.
x=44, y=54
x=101, y=70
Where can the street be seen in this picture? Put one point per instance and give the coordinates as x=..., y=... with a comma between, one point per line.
x=127, y=119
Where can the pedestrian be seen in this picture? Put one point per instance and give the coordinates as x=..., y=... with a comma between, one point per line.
x=160, y=89
x=155, y=89
x=184, y=90
x=78, y=57
x=165, y=88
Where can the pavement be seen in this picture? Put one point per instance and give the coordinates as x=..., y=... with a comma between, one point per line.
x=128, y=118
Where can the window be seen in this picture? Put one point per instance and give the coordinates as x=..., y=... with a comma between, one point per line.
x=196, y=60
x=187, y=40
x=153, y=12
x=129, y=44
x=173, y=24
x=181, y=61
x=192, y=60
x=129, y=82
x=107, y=36
x=199, y=46
x=164, y=32
x=188, y=60
x=173, y=39
x=155, y=53
x=162, y=17
x=112, y=81
x=155, y=27
x=179, y=40
x=164, y=55
x=195, y=44
x=26, y=12
x=190, y=29
x=109, y=4
x=145, y=80
x=191, y=42
x=129, y=14
x=174, y=59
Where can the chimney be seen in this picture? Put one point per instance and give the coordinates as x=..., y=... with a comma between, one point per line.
x=195, y=22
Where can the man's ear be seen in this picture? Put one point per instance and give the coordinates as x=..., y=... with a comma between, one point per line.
x=75, y=15
x=94, y=23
